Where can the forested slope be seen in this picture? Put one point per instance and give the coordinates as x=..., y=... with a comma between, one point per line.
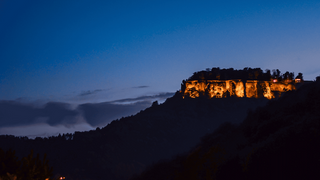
x=127, y=146
x=278, y=141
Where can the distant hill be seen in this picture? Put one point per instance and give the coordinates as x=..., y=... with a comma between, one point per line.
x=127, y=146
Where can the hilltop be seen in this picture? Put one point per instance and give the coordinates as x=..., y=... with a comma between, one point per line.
x=278, y=141
x=251, y=83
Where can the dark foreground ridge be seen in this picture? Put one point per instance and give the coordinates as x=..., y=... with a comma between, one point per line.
x=278, y=141
x=127, y=146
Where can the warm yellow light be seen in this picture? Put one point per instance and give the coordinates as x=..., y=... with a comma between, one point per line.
x=219, y=88
x=267, y=93
x=251, y=88
x=239, y=89
x=281, y=87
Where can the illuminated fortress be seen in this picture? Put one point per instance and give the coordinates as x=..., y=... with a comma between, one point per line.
x=250, y=88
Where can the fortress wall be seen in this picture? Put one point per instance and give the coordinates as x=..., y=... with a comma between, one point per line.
x=236, y=87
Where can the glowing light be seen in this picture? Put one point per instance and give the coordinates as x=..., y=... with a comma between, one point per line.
x=191, y=89
x=267, y=93
x=281, y=87
x=252, y=88
x=239, y=89
x=217, y=88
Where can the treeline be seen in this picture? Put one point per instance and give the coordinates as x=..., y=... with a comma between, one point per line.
x=245, y=74
x=75, y=156
x=126, y=146
x=27, y=168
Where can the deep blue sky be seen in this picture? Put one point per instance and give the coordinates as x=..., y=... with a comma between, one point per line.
x=80, y=52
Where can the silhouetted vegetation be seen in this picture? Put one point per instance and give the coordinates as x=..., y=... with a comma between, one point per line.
x=245, y=74
x=278, y=141
x=28, y=168
x=209, y=134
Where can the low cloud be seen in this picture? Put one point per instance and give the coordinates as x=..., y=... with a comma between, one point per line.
x=14, y=114
x=160, y=96
x=44, y=130
x=100, y=114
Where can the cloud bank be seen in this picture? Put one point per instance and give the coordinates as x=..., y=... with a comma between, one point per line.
x=160, y=96
x=100, y=114
x=14, y=114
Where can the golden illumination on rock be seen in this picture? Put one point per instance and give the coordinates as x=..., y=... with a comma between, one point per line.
x=223, y=88
x=195, y=88
x=251, y=89
x=192, y=90
x=282, y=87
x=217, y=89
x=267, y=93
x=239, y=89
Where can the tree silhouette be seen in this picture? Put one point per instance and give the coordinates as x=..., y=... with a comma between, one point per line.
x=201, y=166
x=29, y=168
x=300, y=76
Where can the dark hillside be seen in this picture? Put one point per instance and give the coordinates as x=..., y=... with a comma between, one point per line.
x=127, y=146
x=278, y=141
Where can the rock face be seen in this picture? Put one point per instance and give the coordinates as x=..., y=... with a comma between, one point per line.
x=236, y=87
x=250, y=83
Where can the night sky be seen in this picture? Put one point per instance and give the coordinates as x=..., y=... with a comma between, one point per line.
x=76, y=65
